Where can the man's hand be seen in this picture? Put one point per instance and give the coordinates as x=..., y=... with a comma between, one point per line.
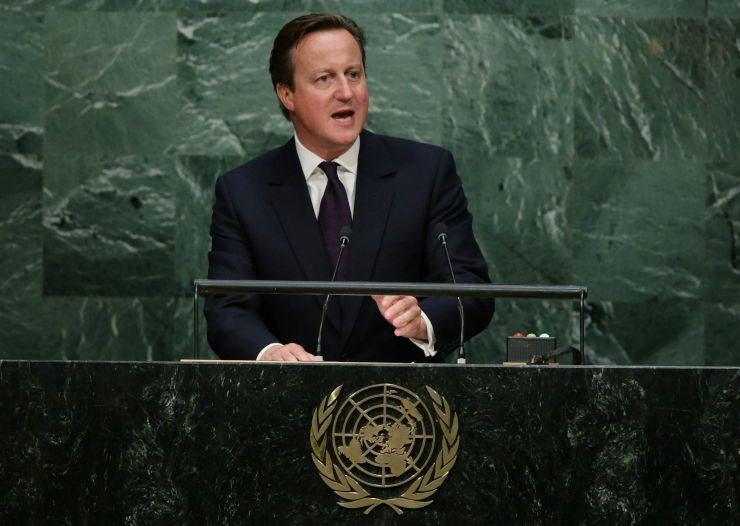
x=404, y=313
x=291, y=352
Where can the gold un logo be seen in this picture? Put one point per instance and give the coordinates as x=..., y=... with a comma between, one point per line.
x=381, y=446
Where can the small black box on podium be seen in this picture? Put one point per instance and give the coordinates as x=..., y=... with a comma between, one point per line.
x=520, y=349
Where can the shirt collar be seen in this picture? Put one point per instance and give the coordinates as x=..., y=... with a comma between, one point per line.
x=310, y=161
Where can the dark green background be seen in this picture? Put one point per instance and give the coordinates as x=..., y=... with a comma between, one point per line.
x=597, y=141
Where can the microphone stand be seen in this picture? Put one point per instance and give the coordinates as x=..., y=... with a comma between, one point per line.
x=442, y=236
x=344, y=236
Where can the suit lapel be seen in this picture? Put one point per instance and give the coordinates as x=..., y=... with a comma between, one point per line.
x=292, y=204
x=374, y=196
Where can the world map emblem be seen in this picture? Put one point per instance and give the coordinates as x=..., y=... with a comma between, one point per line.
x=383, y=445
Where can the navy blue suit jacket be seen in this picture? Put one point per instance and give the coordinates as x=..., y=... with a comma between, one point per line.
x=264, y=227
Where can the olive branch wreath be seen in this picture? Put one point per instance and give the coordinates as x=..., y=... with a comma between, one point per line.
x=352, y=493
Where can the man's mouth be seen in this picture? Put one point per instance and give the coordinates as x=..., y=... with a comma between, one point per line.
x=343, y=115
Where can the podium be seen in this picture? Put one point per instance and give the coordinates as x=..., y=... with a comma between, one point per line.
x=225, y=443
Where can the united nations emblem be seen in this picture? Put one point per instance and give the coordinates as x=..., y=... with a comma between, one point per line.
x=383, y=439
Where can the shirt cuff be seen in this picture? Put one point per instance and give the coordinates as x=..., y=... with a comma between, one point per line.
x=426, y=346
x=259, y=356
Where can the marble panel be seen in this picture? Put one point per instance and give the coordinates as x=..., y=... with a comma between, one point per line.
x=110, y=83
x=642, y=8
x=519, y=216
x=723, y=86
x=21, y=82
x=195, y=183
x=404, y=68
x=183, y=331
x=640, y=88
x=108, y=329
x=352, y=7
x=635, y=229
x=324, y=6
x=22, y=139
x=724, y=8
x=507, y=87
x=656, y=332
x=722, y=334
x=20, y=256
x=510, y=7
x=229, y=105
x=90, y=5
x=722, y=232
x=108, y=226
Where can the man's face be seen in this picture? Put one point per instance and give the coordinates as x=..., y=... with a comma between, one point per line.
x=328, y=104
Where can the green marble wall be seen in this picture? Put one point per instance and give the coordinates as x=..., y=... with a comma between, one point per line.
x=598, y=141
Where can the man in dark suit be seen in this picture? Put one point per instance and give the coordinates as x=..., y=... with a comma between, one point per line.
x=279, y=217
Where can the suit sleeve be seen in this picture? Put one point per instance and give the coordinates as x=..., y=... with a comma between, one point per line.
x=235, y=327
x=449, y=206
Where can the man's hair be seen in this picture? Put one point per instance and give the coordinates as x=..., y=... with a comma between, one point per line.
x=282, y=66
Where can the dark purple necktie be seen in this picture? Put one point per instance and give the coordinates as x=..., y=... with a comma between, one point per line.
x=334, y=214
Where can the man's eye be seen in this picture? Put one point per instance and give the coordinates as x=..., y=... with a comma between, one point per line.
x=354, y=75
x=323, y=78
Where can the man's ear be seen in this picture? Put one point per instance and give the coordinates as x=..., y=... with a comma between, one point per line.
x=285, y=94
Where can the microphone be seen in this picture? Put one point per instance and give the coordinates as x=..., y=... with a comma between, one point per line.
x=344, y=236
x=440, y=230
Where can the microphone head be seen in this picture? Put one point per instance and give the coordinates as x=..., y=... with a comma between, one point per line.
x=440, y=230
x=345, y=234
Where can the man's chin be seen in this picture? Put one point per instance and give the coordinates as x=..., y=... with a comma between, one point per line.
x=347, y=137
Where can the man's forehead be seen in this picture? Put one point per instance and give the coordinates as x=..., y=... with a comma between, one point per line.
x=325, y=38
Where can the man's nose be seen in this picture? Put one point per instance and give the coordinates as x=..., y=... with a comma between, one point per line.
x=344, y=90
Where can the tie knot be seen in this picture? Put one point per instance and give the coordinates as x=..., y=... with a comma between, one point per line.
x=330, y=169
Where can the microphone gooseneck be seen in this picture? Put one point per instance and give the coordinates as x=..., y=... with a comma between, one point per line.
x=344, y=236
x=440, y=230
